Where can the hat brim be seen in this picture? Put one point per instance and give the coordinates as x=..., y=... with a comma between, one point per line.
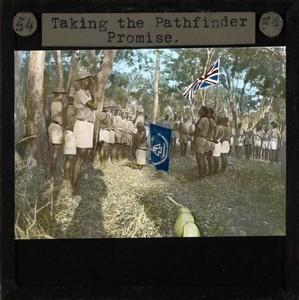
x=55, y=92
x=84, y=78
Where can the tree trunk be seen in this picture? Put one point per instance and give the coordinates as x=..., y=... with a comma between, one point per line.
x=231, y=98
x=58, y=65
x=101, y=80
x=156, y=87
x=73, y=71
x=35, y=106
x=19, y=115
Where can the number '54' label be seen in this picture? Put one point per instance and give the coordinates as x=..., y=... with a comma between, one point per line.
x=24, y=23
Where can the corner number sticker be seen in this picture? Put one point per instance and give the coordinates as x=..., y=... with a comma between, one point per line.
x=271, y=24
x=24, y=23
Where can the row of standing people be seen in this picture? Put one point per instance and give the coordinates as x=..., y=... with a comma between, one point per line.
x=72, y=127
x=122, y=135
x=257, y=142
x=210, y=140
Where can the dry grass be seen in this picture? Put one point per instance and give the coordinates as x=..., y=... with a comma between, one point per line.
x=114, y=200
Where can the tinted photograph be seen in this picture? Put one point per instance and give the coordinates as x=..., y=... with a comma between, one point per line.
x=150, y=143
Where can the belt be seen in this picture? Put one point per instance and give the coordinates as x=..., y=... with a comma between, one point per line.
x=141, y=149
x=57, y=123
x=85, y=120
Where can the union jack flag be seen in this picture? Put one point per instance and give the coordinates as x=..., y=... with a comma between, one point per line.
x=209, y=79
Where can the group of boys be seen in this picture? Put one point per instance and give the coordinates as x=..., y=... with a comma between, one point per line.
x=72, y=126
x=257, y=142
x=210, y=140
x=122, y=135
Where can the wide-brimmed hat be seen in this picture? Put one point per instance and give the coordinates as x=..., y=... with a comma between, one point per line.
x=83, y=74
x=59, y=90
x=274, y=121
x=140, y=108
x=111, y=103
x=139, y=124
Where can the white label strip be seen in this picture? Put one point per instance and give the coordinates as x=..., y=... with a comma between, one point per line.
x=148, y=29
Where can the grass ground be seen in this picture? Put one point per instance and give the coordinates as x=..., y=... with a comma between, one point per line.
x=114, y=200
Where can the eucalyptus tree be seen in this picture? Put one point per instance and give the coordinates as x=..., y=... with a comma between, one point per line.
x=35, y=106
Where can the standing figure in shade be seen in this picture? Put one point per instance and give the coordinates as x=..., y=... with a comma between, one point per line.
x=118, y=125
x=55, y=128
x=141, y=145
x=248, y=141
x=86, y=103
x=111, y=143
x=147, y=124
x=239, y=140
x=68, y=137
x=265, y=144
x=137, y=118
x=274, y=142
x=257, y=140
x=200, y=142
x=130, y=130
x=104, y=132
x=165, y=122
x=175, y=132
x=210, y=141
x=225, y=144
x=219, y=135
x=183, y=134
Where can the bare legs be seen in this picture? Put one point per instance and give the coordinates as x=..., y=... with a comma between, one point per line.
x=80, y=159
x=55, y=150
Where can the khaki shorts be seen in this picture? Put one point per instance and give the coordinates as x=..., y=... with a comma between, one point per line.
x=69, y=143
x=141, y=157
x=225, y=147
x=210, y=146
x=112, y=137
x=55, y=133
x=201, y=145
x=104, y=135
x=83, y=131
x=175, y=134
x=217, y=150
x=129, y=139
x=265, y=144
x=119, y=136
x=273, y=144
x=257, y=143
x=183, y=138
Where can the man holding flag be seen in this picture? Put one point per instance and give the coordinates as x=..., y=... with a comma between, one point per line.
x=160, y=137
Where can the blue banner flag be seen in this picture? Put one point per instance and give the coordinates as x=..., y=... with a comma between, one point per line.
x=160, y=142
